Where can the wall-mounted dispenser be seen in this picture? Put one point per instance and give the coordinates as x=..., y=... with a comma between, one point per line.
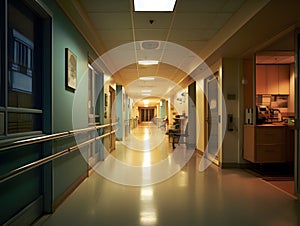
x=230, y=122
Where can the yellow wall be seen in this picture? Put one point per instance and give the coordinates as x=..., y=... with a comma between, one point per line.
x=200, y=115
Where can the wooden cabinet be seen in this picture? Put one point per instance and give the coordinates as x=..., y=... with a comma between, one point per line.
x=272, y=79
x=284, y=79
x=261, y=79
x=268, y=143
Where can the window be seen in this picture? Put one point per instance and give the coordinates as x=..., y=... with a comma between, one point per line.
x=2, y=63
x=22, y=68
x=20, y=62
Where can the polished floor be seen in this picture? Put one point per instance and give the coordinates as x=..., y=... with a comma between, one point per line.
x=189, y=197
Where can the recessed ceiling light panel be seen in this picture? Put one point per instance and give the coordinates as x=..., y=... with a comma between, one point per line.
x=147, y=78
x=154, y=5
x=148, y=62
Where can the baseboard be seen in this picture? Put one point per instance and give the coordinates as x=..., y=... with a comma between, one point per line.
x=199, y=152
x=235, y=165
x=59, y=200
x=228, y=165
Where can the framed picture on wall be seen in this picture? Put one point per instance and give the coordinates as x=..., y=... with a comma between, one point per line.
x=71, y=69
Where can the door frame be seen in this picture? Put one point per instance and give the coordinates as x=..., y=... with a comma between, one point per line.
x=297, y=114
x=112, y=117
x=94, y=82
x=217, y=158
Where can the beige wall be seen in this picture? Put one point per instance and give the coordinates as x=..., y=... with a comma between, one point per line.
x=230, y=72
x=135, y=111
x=200, y=129
x=232, y=85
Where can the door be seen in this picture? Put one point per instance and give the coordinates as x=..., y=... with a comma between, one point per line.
x=93, y=114
x=147, y=114
x=212, y=118
x=112, y=97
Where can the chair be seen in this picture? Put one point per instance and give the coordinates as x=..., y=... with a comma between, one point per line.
x=178, y=135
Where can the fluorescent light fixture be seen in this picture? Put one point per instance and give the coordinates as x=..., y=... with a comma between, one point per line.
x=148, y=62
x=147, y=78
x=154, y=5
x=145, y=94
x=146, y=91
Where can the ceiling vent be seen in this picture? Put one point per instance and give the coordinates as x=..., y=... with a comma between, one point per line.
x=150, y=45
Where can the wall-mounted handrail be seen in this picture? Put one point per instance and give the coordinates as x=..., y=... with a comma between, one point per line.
x=44, y=138
x=42, y=161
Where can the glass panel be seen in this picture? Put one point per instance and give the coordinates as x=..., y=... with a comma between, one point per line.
x=90, y=91
x=23, y=122
x=2, y=52
x=1, y=123
x=24, y=80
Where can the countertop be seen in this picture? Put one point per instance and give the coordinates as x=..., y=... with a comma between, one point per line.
x=274, y=124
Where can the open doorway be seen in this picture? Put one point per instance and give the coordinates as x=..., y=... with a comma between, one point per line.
x=269, y=136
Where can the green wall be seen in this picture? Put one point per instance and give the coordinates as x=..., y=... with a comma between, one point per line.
x=163, y=109
x=12, y=195
x=70, y=168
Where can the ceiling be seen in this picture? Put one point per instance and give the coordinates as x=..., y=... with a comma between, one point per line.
x=180, y=40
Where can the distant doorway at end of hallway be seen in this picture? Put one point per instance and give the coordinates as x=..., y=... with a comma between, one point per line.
x=146, y=114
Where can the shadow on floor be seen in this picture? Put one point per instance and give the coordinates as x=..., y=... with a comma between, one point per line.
x=278, y=175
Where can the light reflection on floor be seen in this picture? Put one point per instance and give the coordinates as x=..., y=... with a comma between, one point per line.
x=148, y=151
x=213, y=197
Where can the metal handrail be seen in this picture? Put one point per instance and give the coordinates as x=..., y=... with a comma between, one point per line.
x=42, y=161
x=44, y=138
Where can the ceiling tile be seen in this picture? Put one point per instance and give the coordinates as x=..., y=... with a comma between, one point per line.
x=110, y=44
x=191, y=34
x=145, y=34
x=192, y=25
x=120, y=34
x=209, y=6
x=106, y=5
x=160, y=20
x=193, y=20
x=232, y=5
x=111, y=21
x=220, y=20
